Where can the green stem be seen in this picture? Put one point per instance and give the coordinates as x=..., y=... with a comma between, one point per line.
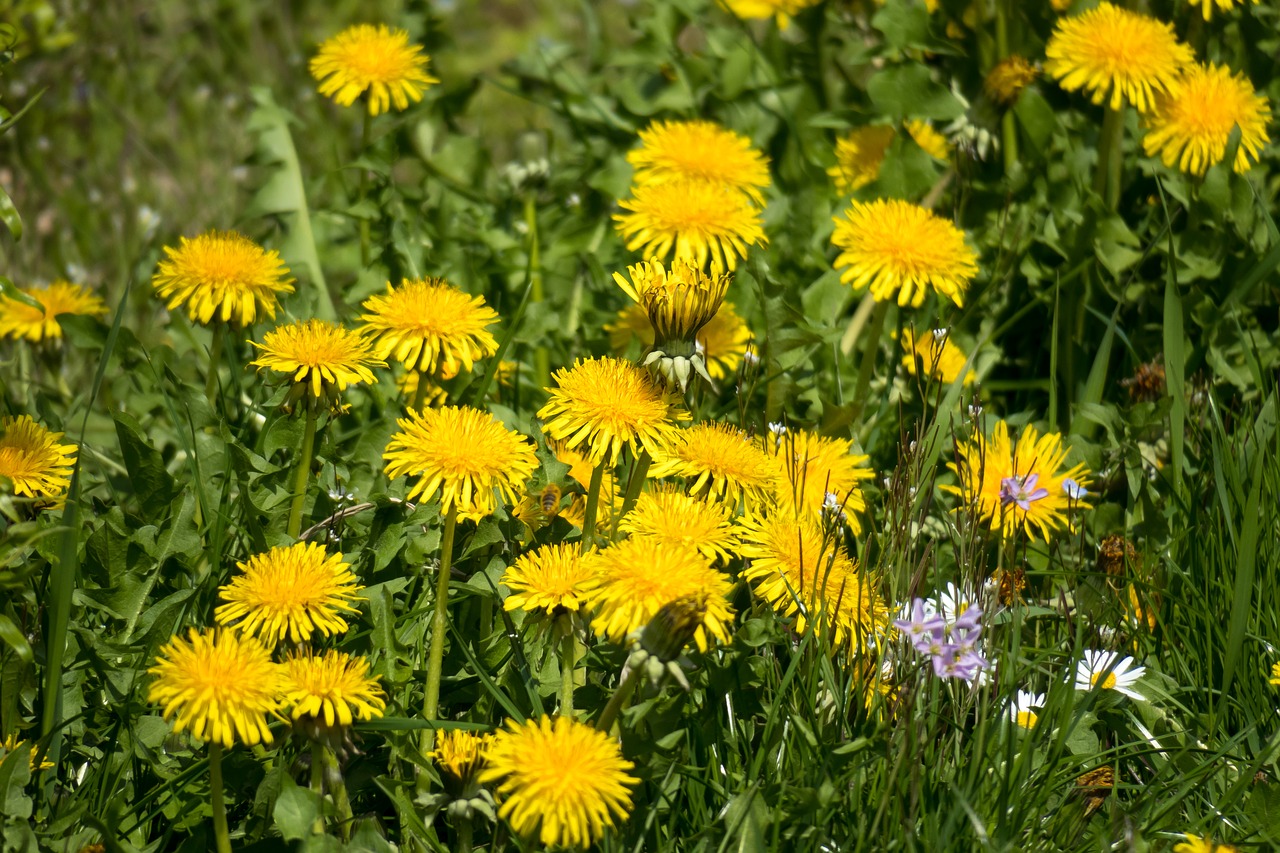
x=317, y=783
x=365, y=130
x=222, y=838
x=439, y=625
x=620, y=696
x=568, y=658
x=639, y=474
x=419, y=393
x=215, y=357
x=593, y=503
x=541, y=358
x=463, y=843
x=871, y=348
x=1009, y=130
x=338, y=790
x=1106, y=177
x=304, y=472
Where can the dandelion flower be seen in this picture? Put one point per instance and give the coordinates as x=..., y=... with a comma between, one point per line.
x=219, y=684
x=290, y=591
x=1108, y=671
x=460, y=752
x=561, y=779
x=19, y=320
x=222, y=275
x=32, y=460
x=697, y=221
x=671, y=517
x=933, y=143
x=377, y=60
x=637, y=577
x=936, y=356
x=780, y=10
x=896, y=247
x=1116, y=55
x=859, y=155
x=429, y=325
x=604, y=404
x=722, y=341
x=1191, y=124
x=1023, y=710
x=678, y=302
x=1018, y=487
x=718, y=459
x=804, y=574
x=550, y=578
x=318, y=355
x=699, y=150
x=814, y=468
x=1206, y=9
x=1006, y=80
x=1275, y=675
x=334, y=687
x=12, y=744
x=1198, y=843
x=464, y=454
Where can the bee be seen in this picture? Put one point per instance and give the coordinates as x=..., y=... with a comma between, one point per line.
x=550, y=501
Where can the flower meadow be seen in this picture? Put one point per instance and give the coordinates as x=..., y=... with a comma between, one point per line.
x=664, y=425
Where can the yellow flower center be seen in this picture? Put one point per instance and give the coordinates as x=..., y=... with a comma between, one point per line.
x=1108, y=683
x=1028, y=719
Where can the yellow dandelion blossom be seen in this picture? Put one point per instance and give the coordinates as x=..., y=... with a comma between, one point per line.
x=631, y=324
x=718, y=459
x=1006, y=80
x=695, y=221
x=699, y=150
x=1191, y=124
x=222, y=275
x=780, y=10
x=1115, y=55
x=318, y=356
x=32, y=460
x=428, y=325
x=722, y=341
x=604, y=404
x=378, y=61
x=463, y=454
x=460, y=752
x=678, y=302
x=859, y=155
x=333, y=687
x=1021, y=486
x=637, y=577
x=1207, y=6
x=900, y=249
x=1274, y=680
x=804, y=574
x=435, y=394
x=933, y=143
x=1201, y=843
x=19, y=320
x=670, y=517
x=818, y=471
x=219, y=684
x=936, y=356
x=290, y=591
x=549, y=578
x=559, y=779
x=12, y=744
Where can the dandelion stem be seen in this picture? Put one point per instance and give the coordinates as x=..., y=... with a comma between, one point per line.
x=619, y=698
x=541, y=358
x=222, y=838
x=365, y=132
x=568, y=657
x=1009, y=130
x=1106, y=179
x=593, y=503
x=215, y=357
x=439, y=624
x=304, y=472
x=317, y=783
x=639, y=473
x=419, y=393
x=871, y=348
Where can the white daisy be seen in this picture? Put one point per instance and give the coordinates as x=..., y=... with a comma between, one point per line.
x=1108, y=671
x=1023, y=709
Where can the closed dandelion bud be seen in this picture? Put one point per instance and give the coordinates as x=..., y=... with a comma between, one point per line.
x=678, y=301
x=673, y=627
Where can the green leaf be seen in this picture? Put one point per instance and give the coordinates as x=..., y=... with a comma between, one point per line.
x=13, y=638
x=15, y=773
x=10, y=291
x=904, y=24
x=152, y=484
x=296, y=810
x=10, y=216
x=909, y=91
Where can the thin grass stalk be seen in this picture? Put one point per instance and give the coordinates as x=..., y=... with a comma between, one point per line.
x=871, y=334
x=221, y=835
x=593, y=504
x=366, y=127
x=439, y=625
x=215, y=358
x=303, y=474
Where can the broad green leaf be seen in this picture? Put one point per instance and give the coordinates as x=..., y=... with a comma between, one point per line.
x=909, y=91
x=296, y=810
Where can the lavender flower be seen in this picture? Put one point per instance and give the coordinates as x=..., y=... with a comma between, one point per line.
x=1021, y=491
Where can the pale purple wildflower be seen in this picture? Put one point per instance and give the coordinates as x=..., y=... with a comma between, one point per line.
x=1021, y=491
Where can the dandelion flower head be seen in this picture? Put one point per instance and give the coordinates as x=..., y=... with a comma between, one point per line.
x=678, y=301
x=319, y=356
x=333, y=687
x=1274, y=680
x=780, y=10
x=219, y=684
x=1190, y=124
x=722, y=341
x=549, y=578
x=933, y=143
x=222, y=275
x=859, y=155
x=935, y=355
x=637, y=577
x=376, y=60
x=601, y=405
x=460, y=752
x=559, y=779
x=463, y=454
x=1207, y=7
x=428, y=325
x=717, y=459
x=290, y=591
x=1116, y=55
x=32, y=459
x=671, y=517
x=12, y=744
x=699, y=150
x=1201, y=843
x=696, y=221
x=901, y=250
x=1007, y=78
x=19, y=320
x=815, y=466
